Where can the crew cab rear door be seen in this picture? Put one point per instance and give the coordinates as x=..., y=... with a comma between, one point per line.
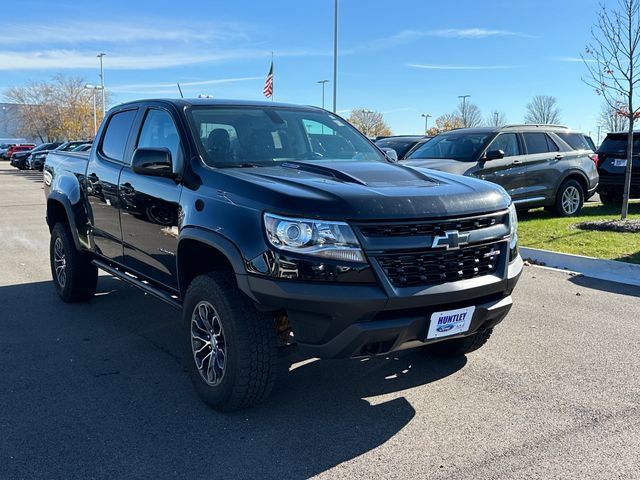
x=103, y=173
x=150, y=208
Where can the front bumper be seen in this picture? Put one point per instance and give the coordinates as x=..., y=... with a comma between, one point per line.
x=345, y=320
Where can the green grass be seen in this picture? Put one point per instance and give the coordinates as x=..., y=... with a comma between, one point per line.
x=539, y=229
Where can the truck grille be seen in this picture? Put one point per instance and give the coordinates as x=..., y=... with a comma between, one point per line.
x=432, y=227
x=437, y=267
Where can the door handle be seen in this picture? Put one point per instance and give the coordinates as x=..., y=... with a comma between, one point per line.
x=558, y=157
x=517, y=162
x=127, y=188
x=93, y=177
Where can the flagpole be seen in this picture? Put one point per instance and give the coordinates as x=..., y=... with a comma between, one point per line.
x=273, y=83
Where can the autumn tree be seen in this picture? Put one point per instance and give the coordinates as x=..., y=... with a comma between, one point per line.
x=370, y=123
x=612, y=60
x=543, y=109
x=496, y=119
x=60, y=109
x=611, y=119
x=446, y=122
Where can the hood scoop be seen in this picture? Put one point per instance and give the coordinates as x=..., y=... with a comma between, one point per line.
x=324, y=171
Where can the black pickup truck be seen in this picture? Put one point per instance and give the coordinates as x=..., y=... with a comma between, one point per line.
x=274, y=228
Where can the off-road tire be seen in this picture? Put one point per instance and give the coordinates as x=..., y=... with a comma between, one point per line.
x=81, y=276
x=251, y=351
x=461, y=346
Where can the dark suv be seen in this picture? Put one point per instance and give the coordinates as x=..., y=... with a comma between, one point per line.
x=539, y=165
x=612, y=164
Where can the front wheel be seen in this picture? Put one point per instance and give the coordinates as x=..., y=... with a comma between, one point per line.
x=231, y=348
x=74, y=276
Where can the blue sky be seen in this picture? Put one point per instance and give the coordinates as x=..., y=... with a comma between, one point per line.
x=402, y=58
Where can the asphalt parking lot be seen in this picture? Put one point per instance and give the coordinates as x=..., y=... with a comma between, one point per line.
x=97, y=390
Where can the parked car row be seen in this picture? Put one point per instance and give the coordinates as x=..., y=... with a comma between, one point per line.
x=33, y=158
x=547, y=166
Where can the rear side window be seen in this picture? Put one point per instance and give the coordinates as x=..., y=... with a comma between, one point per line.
x=539, y=143
x=577, y=141
x=115, y=137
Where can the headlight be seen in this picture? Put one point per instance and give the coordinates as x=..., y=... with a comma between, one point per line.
x=317, y=238
x=513, y=226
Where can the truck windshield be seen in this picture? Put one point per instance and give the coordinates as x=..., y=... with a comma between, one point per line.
x=261, y=136
x=465, y=147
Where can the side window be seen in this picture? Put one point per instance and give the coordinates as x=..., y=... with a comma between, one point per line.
x=508, y=143
x=537, y=143
x=553, y=146
x=115, y=136
x=159, y=131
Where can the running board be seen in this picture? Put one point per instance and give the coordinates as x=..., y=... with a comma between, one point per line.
x=136, y=282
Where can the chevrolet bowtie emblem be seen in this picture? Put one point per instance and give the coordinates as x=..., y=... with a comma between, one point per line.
x=452, y=240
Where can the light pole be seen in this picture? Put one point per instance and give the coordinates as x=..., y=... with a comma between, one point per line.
x=335, y=54
x=322, y=82
x=93, y=89
x=464, y=109
x=366, y=121
x=426, y=122
x=100, y=55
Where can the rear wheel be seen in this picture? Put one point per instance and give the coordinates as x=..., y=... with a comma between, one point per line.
x=231, y=349
x=610, y=199
x=569, y=199
x=461, y=346
x=74, y=276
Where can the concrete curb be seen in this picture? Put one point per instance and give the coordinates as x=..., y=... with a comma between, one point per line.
x=610, y=270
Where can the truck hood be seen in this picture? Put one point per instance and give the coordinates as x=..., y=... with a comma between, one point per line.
x=441, y=164
x=359, y=190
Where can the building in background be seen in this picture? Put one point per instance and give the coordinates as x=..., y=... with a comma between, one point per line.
x=10, y=127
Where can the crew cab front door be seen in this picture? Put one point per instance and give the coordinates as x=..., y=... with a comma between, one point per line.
x=150, y=208
x=103, y=175
x=509, y=171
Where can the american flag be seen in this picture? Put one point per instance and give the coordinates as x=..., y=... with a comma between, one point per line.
x=268, y=84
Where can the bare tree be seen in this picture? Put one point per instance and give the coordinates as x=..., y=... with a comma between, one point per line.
x=446, y=122
x=470, y=114
x=370, y=123
x=543, y=109
x=612, y=60
x=612, y=120
x=496, y=119
x=54, y=110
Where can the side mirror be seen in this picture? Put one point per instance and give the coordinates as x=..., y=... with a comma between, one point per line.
x=390, y=153
x=154, y=162
x=494, y=155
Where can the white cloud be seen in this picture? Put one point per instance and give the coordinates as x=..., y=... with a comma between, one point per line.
x=462, y=67
x=73, y=59
x=75, y=32
x=163, y=88
x=573, y=59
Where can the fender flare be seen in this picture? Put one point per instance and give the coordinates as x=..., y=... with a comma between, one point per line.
x=224, y=246
x=58, y=197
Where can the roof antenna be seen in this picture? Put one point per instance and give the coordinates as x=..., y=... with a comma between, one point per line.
x=180, y=90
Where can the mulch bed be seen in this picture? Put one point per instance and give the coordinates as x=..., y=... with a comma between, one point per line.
x=627, y=226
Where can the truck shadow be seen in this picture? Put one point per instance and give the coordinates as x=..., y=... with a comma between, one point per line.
x=101, y=387
x=33, y=175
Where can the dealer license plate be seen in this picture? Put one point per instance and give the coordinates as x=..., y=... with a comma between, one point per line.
x=450, y=322
x=620, y=162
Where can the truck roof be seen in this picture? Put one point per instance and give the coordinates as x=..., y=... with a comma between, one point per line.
x=182, y=102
